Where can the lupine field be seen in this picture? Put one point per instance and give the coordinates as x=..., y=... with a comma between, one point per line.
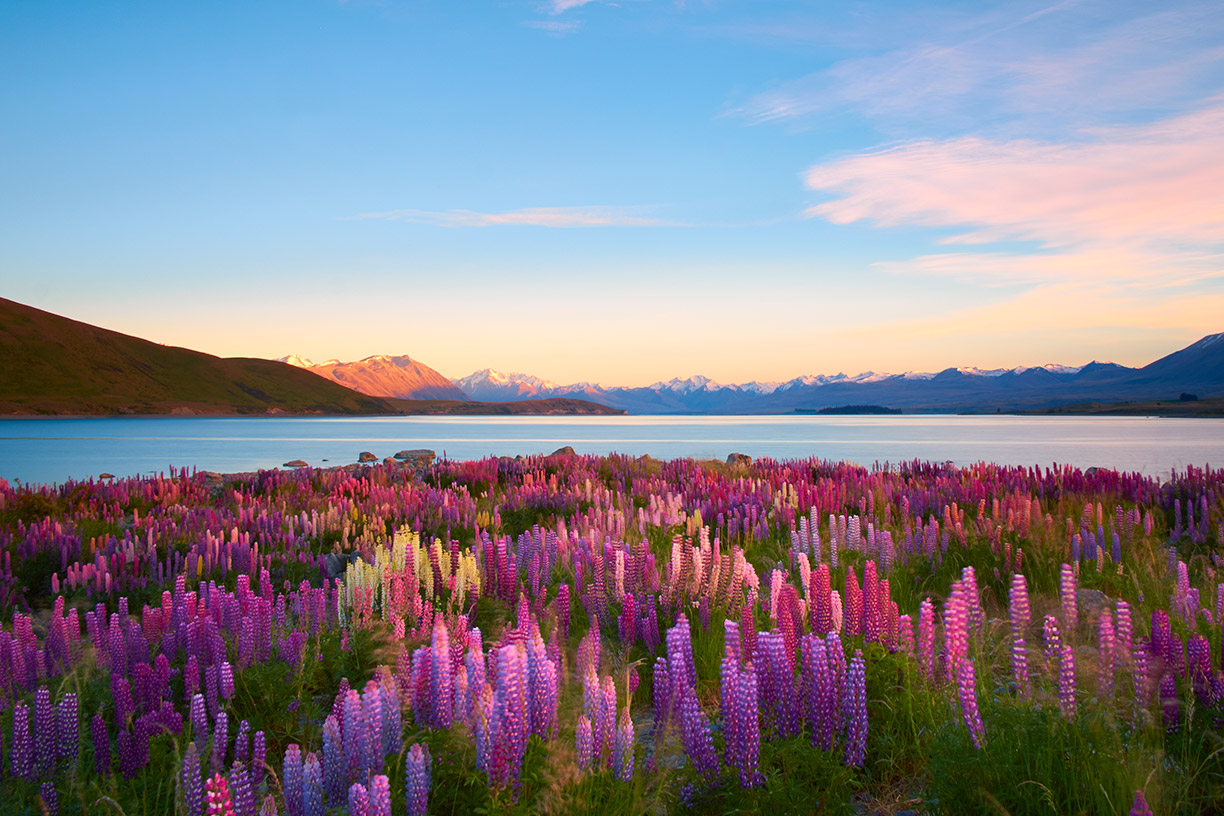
x=576, y=634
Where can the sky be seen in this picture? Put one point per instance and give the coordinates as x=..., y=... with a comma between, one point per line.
x=621, y=192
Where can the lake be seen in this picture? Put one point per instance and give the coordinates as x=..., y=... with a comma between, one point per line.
x=55, y=450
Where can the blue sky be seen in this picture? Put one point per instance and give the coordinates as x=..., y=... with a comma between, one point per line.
x=622, y=192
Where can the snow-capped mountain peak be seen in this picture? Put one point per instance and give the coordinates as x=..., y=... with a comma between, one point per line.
x=296, y=360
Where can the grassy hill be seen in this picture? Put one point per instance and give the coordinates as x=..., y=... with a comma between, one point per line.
x=54, y=365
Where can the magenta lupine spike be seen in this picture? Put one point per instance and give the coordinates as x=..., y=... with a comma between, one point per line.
x=836, y=655
x=905, y=634
x=973, y=602
x=606, y=736
x=217, y=799
x=291, y=780
x=45, y=749
x=966, y=682
x=1020, y=619
x=380, y=796
x=101, y=745
x=191, y=784
x=21, y=751
x=1140, y=805
x=358, y=800
x=1106, y=654
x=623, y=748
x=956, y=631
x=1066, y=681
x=584, y=739
x=747, y=635
x=926, y=639
x=856, y=707
x=417, y=766
x=1070, y=608
x=821, y=596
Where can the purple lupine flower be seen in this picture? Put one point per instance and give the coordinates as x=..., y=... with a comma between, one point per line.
x=45, y=749
x=199, y=721
x=926, y=639
x=541, y=688
x=46, y=792
x=680, y=652
x=508, y=731
x=268, y=808
x=101, y=745
x=21, y=751
x=695, y=732
x=1066, y=681
x=966, y=682
x=227, y=680
x=606, y=724
x=1140, y=805
x=584, y=739
x=259, y=753
x=242, y=743
x=1070, y=609
x=291, y=780
x=380, y=796
x=417, y=765
x=1169, y=702
x=391, y=723
x=358, y=800
x=353, y=728
x=190, y=782
x=818, y=685
x=220, y=742
x=1053, y=641
x=312, y=786
x=441, y=689
x=67, y=728
x=856, y=706
x=623, y=747
x=240, y=790
x=334, y=771
x=1139, y=677
x=1122, y=632
x=371, y=708
x=1020, y=618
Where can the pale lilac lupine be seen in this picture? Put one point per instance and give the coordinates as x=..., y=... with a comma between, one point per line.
x=220, y=742
x=584, y=738
x=1066, y=681
x=1139, y=677
x=623, y=748
x=1020, y=618
x=68, y=729
x=199, y=721
x=1070, y=608
x=1053, y=640
x=45, y=748
x=856, y=722
x=926, y=639
x=905, y=635
x=966, y=683
x=417, y=766
x=1122, y=633
x=606, y=724
x=353, y=729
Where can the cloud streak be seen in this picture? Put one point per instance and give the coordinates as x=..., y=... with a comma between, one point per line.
x=1142, y=199
x=553, y=217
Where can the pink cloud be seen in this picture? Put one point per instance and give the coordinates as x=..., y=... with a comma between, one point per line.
x=559, y=217
x=1155, y=192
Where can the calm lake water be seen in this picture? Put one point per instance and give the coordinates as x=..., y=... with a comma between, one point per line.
x=54, y=450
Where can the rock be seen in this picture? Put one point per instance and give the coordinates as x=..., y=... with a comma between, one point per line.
x=366, y=456
x=390, y=461
x=736, y=459
x=1092, y=602
x=295, y=463
x=107, y=476
x=1092, y=471
x=334, y=564
x=418, y=457
x=566, y=451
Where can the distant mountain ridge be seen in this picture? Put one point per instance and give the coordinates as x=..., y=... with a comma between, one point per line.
x=384, y=376
x=1198, y=368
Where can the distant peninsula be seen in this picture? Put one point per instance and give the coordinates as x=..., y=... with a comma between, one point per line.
x=849, y=410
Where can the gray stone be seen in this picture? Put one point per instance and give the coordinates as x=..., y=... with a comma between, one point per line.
x=420, y=457
x=334, y=564
x=295, y=463
x=566, y=451
x=107, y=476
x=736, y=459
x=390, y=461
x=1092, y=602
x=366, y=456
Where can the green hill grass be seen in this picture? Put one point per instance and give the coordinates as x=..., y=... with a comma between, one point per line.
x=54, y=365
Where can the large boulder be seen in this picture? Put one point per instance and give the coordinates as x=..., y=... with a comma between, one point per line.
x=295, y=463
x=366, y=456
x=334, y=564
x=418, y=457
x=568, y=450
x=736, y=459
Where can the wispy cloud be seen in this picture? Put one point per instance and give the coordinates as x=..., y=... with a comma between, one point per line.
x=559, y=6
x=1032, y=68
x=1152, y=193
x=558, y=27
x=557, y=217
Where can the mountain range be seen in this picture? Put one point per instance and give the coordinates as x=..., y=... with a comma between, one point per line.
x=383, y=376
x=1197, y=369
